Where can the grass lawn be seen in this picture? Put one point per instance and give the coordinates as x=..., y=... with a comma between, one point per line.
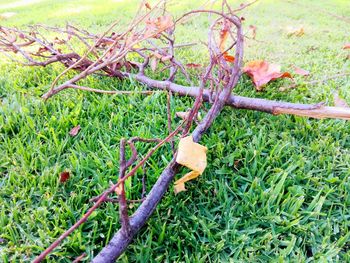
x=277, y=188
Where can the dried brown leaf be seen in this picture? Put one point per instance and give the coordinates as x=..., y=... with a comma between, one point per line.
x=193, y=65
x=64, y=176
x=7, y=15
x=41, y=50
x=148, y=6
x=338, y=101
x=224, y=33
x=183, y=114
x=253, y=28
x=228, y=57
x=301, y=72
x=59, y=41
x=295, y=31
x=158, y=25
x=262, y=72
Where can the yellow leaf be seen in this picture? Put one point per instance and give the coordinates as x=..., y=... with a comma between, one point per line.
x=187, y=177
x=119, y=189
x=295, y=31
x=193, y=156
x=179, y=185
x=179, y=188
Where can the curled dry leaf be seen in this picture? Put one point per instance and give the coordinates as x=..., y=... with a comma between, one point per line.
x=179, y=185
x=59, y=41
x=295, y=31
x=193, y=156
x=224, y=32
x=158, y=25
x=148, y=6
x=253, y=28
x=119, y=189
x=7, y=15
x=262, y=72
x=185, y=114
x=64, y=176
x=338, y=101
x=193, y=65
x=228, y=57
x=301, y=72
x=74, y=131
x=182, y=114
x=41, y=50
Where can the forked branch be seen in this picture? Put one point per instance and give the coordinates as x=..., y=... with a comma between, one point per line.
x=151, y=38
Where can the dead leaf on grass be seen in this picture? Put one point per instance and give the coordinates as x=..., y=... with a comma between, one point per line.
x=262, y=72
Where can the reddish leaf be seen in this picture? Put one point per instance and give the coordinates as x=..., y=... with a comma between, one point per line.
x=41, y=50
x=224, y=32
x=74, y=131
x=193, y=65
x=338, y=101
x=228, y=57
x=301, y=72
x=64, y=176
x=262, y=72
x=59, y=41
x=148, y=6
x=157, y=25
x=164, y=22
x=346, y=46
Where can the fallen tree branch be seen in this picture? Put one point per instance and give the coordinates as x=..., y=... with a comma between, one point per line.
x=238, y=102
x=247, y=103
x=103, y=196
x=119, y=242
x=111, y=54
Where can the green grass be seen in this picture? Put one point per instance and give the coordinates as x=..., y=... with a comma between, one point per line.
x=277, y=188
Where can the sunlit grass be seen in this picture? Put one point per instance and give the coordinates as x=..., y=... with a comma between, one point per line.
x=277, y=188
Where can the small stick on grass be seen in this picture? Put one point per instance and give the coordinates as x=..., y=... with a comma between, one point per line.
x=103, y=197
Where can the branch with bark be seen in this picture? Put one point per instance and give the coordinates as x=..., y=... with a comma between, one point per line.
x=148, y=41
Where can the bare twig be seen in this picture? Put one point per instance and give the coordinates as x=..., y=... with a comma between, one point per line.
x=111, y=58
x=103, y=196
x=168, y=98
x=78, y=259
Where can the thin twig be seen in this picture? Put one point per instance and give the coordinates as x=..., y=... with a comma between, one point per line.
x=168, y=109
x=103, y=196
x=78, y=259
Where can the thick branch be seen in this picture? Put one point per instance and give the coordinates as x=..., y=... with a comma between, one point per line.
x=240, y=102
